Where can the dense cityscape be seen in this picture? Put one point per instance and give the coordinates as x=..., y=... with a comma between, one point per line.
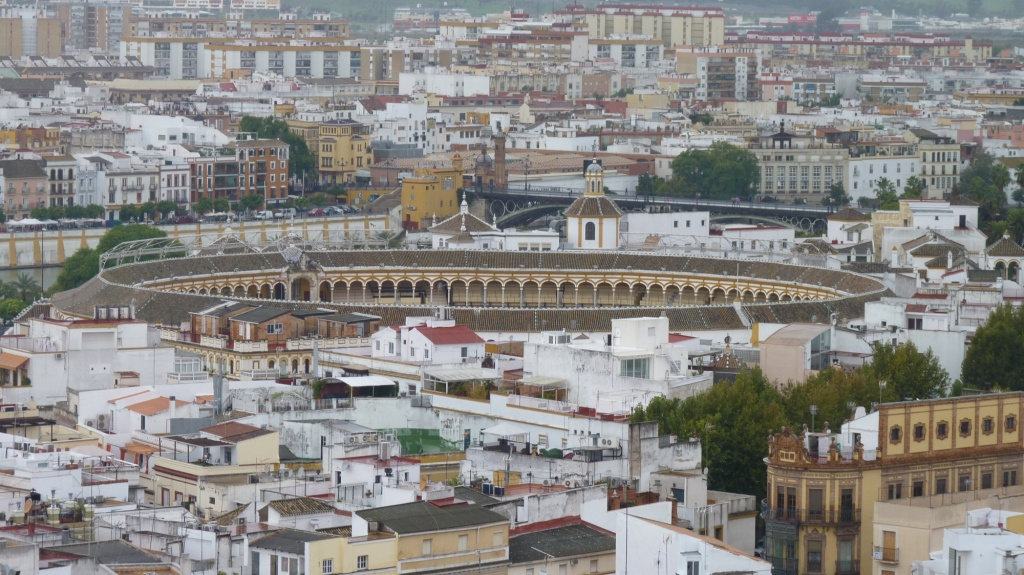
x=332, y=288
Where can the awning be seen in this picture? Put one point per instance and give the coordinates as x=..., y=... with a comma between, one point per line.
x=506, y=429
x=11, y=362
x=367, y=381
x=544, y=381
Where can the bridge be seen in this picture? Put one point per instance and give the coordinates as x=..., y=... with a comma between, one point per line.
x=518, y=206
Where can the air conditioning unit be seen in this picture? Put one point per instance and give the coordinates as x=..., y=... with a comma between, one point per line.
x=58, y=356
x=574, y=561
x=90, y=423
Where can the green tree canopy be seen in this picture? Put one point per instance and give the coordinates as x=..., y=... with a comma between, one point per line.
x=993, y=360
x=203, y=205
x=84, y=264
x=913, y=189
x=300, y=159
x=26, y=286
x=251, y=202
x=221, y=205
x=94, y=211
x=886, y=196
x=721, y=172
x=166, y=208
x=837, y=193
x=733, y=420
x=10, y=308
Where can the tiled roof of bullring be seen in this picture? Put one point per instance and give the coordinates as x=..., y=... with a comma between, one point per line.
x=116, y=286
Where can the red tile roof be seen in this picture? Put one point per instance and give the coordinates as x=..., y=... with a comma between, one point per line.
x=450, y=335
x=155, y=405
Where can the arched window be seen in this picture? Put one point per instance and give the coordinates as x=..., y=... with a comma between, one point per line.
x=590, y=231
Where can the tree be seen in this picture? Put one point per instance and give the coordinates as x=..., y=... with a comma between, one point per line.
x=993, y=358
x=319, y=200
x=75, y=212
x=221, y=205
x=203, y=205
x=94, y=211
x=645, y=185
x=885, y=194
x=837, y=193
x=40, y=213
x=991, y=200
x=300, y=159
x=251, y=202
x=147, y=211
x=166, y=207
x=122, y=234
x=1000, y=176
x=128, y=213
x=1018, y=195
x=913, y=189
x=10, y=308
x=908, y=372
x=27, y=287
x=721, y=172
x=732, y=422
x=82, y=266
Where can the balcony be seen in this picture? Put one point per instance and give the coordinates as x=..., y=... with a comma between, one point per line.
x=848, y=567
x=810, y=516
x=888, y=555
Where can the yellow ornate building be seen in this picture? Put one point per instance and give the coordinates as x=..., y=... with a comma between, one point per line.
x=849, y=503
x=344, y=148
x=431, y=192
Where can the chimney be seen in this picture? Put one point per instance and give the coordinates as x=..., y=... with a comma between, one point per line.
x=172, y=407
x=616, y=503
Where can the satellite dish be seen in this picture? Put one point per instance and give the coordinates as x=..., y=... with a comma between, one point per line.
x=705, y=472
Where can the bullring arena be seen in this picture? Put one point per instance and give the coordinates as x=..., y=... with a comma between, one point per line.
x=490, y=291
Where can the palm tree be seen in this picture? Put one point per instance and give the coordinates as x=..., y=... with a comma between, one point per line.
x=27, y=287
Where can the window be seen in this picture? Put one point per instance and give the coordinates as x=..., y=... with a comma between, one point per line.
x=693, y=568
x=465, y=352
x=965, y=428
x=942, y=430
x=497, y=539
x=895, y=491
x=590, y=231
x=964, y=482
x=814, y=504
x=275, y=328
x=987, y=425
x=362, y=562
x=426, y=546
x=940, y=486
x=986, y=480
x=918, y=489
x=895, y=434
x=919, y=432
x=593, y=565
x=1011, y=423
x=328, y=566
x=639, y=367
x=463, y=542
x=814, y=556
x=1009, y=477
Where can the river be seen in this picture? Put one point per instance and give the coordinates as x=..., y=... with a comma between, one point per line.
x=50, y=275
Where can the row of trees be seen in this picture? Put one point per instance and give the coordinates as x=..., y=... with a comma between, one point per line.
x=733, y=420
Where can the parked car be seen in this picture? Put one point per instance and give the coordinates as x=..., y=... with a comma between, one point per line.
x=315, y=212
x=284, y=213
x=264, y=215
x=333, y=211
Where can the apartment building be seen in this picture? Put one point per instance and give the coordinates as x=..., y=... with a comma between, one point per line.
x=795, y=166
x=891, y=88
x=323, y=26
x=332, y=551
x=344, y=149
x=29, y=32
x=60, y=172
x=447, y=539
x=871, y=160
x=184, y=57
x=516, y=47
x=430, y=193
x=858, y=51
x=722, y=73
x=671, y=25
x=243, y=167
x=24, y=186
x=845, y=503
x=94, y=27
x=940, y=162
